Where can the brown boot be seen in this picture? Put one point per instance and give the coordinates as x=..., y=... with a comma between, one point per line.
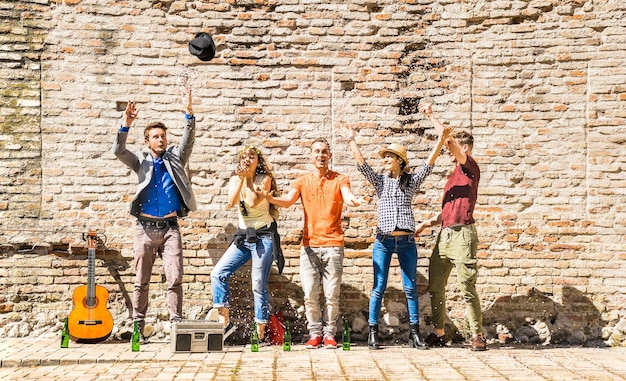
x=223, y=311
x=229, y=328
x=260, y=328
x=479, y=343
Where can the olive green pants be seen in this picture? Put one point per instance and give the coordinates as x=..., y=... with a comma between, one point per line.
x=455, y=247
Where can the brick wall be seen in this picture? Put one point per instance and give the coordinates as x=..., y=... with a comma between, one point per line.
x=540, y=84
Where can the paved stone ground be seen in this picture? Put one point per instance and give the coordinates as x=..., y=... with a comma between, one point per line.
x=32, y=359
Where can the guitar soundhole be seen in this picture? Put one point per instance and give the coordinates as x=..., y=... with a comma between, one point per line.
x=90, y=302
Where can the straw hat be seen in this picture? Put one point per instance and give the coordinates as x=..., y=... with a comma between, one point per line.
x=396, y=149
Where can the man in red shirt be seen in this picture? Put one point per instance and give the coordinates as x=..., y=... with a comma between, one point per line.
x=457, y=241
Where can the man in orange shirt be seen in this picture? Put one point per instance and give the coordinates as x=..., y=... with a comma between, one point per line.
x=322, y=193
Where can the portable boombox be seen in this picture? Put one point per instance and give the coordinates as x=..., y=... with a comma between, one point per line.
x=197, y=336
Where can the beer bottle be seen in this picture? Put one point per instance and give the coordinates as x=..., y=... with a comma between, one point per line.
x=287, y=338
x=136, y=337
x=65, y=335
x=254, y=339
x=346, y=336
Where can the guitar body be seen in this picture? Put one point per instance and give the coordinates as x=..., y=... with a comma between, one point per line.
x=86, y=323
x=90, y=321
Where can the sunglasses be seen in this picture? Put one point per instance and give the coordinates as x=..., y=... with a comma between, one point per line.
x=242, y=208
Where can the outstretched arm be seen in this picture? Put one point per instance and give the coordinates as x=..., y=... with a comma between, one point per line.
x=284, y=201
x=434, y=221
x=350, y=198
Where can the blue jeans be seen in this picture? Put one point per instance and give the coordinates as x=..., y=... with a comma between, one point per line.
x=231, y=261
x=404, y=247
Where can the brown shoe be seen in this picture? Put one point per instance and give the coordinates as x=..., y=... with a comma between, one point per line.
x=479, y=343
x=260, y=328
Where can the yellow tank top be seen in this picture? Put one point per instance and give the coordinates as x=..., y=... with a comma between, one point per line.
x=258, y=216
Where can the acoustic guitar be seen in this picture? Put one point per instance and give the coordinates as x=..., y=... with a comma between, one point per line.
x=90, y=321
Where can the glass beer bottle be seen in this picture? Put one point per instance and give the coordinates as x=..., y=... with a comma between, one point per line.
x=136, y=337
x=287, y=338
x=346, y=336
x=254, y=339
x=65, y=335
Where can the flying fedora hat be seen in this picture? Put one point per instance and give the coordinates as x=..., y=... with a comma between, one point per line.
x=202, y=46
x=396, y=149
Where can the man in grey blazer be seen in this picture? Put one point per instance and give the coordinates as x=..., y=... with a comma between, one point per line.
x=164, y=194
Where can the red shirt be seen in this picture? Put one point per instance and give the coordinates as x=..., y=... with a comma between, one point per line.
x=460, y=194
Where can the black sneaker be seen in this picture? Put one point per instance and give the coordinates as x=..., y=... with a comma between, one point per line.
x=435, y=341
x=229, y=330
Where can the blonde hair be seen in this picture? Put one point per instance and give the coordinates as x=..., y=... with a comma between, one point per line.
x=263, y=168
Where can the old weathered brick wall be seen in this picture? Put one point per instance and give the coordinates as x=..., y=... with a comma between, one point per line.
x=540, y=83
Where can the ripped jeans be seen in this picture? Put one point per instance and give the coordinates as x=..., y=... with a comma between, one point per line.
x=234, y=258
x=455, y=247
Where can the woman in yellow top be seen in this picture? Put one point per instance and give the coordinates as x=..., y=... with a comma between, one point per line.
x=256, y=239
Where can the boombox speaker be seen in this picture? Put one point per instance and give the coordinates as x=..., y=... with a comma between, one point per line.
x=197, y=336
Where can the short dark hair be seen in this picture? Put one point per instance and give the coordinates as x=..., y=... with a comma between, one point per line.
x=464, y=137
x=151, y=126
x=321, y=140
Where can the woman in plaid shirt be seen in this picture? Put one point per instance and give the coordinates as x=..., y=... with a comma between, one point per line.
x=396, y=225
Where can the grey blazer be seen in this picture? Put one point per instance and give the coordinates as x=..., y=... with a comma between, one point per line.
x=175, y=159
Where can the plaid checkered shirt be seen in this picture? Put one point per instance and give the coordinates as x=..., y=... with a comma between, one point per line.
x=394, y=206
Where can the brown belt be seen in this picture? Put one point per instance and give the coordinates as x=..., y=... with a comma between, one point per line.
x=396, y=233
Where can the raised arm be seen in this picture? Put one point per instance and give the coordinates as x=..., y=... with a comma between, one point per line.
x=349, y=134
x=456, y=150
x=427, y=110
x=119, y=147
x=130, y=114
x=189, y=133
x=452, y=145
x=188, y=106
x=441, y=139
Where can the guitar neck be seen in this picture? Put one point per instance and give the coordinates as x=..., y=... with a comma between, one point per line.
x=91, y=277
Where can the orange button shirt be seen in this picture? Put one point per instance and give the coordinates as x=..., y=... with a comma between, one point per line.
x=322, y=203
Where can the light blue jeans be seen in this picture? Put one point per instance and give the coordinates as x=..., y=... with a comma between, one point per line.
x=384, y=247
x=231, y=261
